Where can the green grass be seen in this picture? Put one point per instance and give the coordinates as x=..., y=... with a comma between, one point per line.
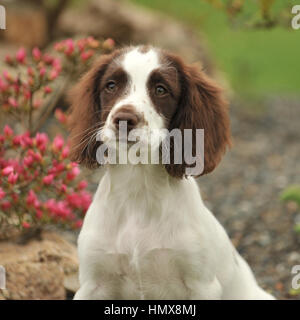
x=256, y=61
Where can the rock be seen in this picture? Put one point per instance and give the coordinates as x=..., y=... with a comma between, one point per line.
x=39, y=268
x=26, y=25
x=128, y=23
x=71, y=282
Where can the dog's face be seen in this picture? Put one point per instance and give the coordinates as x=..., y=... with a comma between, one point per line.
x=148, y=89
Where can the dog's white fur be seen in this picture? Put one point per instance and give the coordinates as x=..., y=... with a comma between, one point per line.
x=148, y=235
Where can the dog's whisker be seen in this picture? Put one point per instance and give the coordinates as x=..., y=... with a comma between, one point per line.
x=85, y=139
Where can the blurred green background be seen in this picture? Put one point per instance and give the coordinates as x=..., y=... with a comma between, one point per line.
x=256, y=61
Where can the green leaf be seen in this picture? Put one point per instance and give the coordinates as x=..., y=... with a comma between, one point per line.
x=294, y=292
x=297, y=228
x=292, y=193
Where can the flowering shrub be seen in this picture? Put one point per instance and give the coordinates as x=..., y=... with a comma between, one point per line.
x=39, y=185
x=30, y=92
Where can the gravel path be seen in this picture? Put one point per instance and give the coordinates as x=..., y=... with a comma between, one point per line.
x=243, y=192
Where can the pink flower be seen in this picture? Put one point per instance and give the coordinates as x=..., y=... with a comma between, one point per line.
x=7, y=76
x=5, y=205
x=26, y=141
x=21, y=55
x=60, y=116
x=39, y=213
x=63, y=188
x=28, y=161
x=36, y=155
x=12, y=178
x=58, y=46
x=62, y=209
x=3, y=85
x=26, y=225
x=65, y=152
x=48, y=179
x=16, y=87
x=73, y=173
x=8, y=132
x=37, y=103
x=82, y=185
x=8, y=59
x=27, y=95
x=53, y=74
x=78, y=224
x=30, y=71
x=58, y=167
x=7, y=170
x=42, y=71
x=13, y=102
x=31, y=199
x=58, y=209
x=74, y=200
x=17, y=140
x=41, y=141
x=2, y=193
x=47, y=58
x=81, y=43
x=56, y=64
x=50, y=205
x=69, y=47
x=15, y=197
x=58, y=142
x=92, y=42
x=36, y=53
x=86, y=200
x=86, y=55
x=47, y=89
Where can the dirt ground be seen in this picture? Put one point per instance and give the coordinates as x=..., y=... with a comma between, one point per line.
x=243, y=192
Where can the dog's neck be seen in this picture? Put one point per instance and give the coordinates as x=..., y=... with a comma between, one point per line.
x=138, y=176
x=140, y=192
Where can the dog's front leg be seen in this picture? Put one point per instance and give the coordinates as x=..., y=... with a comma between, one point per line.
x=204, y=290
x=90, y=290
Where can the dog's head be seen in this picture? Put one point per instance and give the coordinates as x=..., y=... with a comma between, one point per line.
x=150, y=89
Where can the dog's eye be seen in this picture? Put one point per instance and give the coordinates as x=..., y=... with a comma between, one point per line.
x=111, y=86
x=160, y=90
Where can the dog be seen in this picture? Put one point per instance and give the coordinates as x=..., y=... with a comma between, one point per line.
x=147, y=233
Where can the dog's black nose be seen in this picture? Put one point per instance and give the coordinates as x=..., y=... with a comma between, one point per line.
x=129, y=115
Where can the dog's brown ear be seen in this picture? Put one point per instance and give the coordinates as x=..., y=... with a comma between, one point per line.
x=85, y=113
x=201, y=106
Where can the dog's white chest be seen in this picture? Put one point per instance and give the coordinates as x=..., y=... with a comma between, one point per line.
x=144, y=267
x=155, y=274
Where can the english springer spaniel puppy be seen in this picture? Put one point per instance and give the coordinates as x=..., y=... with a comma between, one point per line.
x=147, y=233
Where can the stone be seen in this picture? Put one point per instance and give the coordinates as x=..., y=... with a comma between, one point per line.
x=38, y=269
x=128, y=23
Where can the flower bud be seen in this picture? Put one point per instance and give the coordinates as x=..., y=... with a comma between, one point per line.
x=21, y=55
